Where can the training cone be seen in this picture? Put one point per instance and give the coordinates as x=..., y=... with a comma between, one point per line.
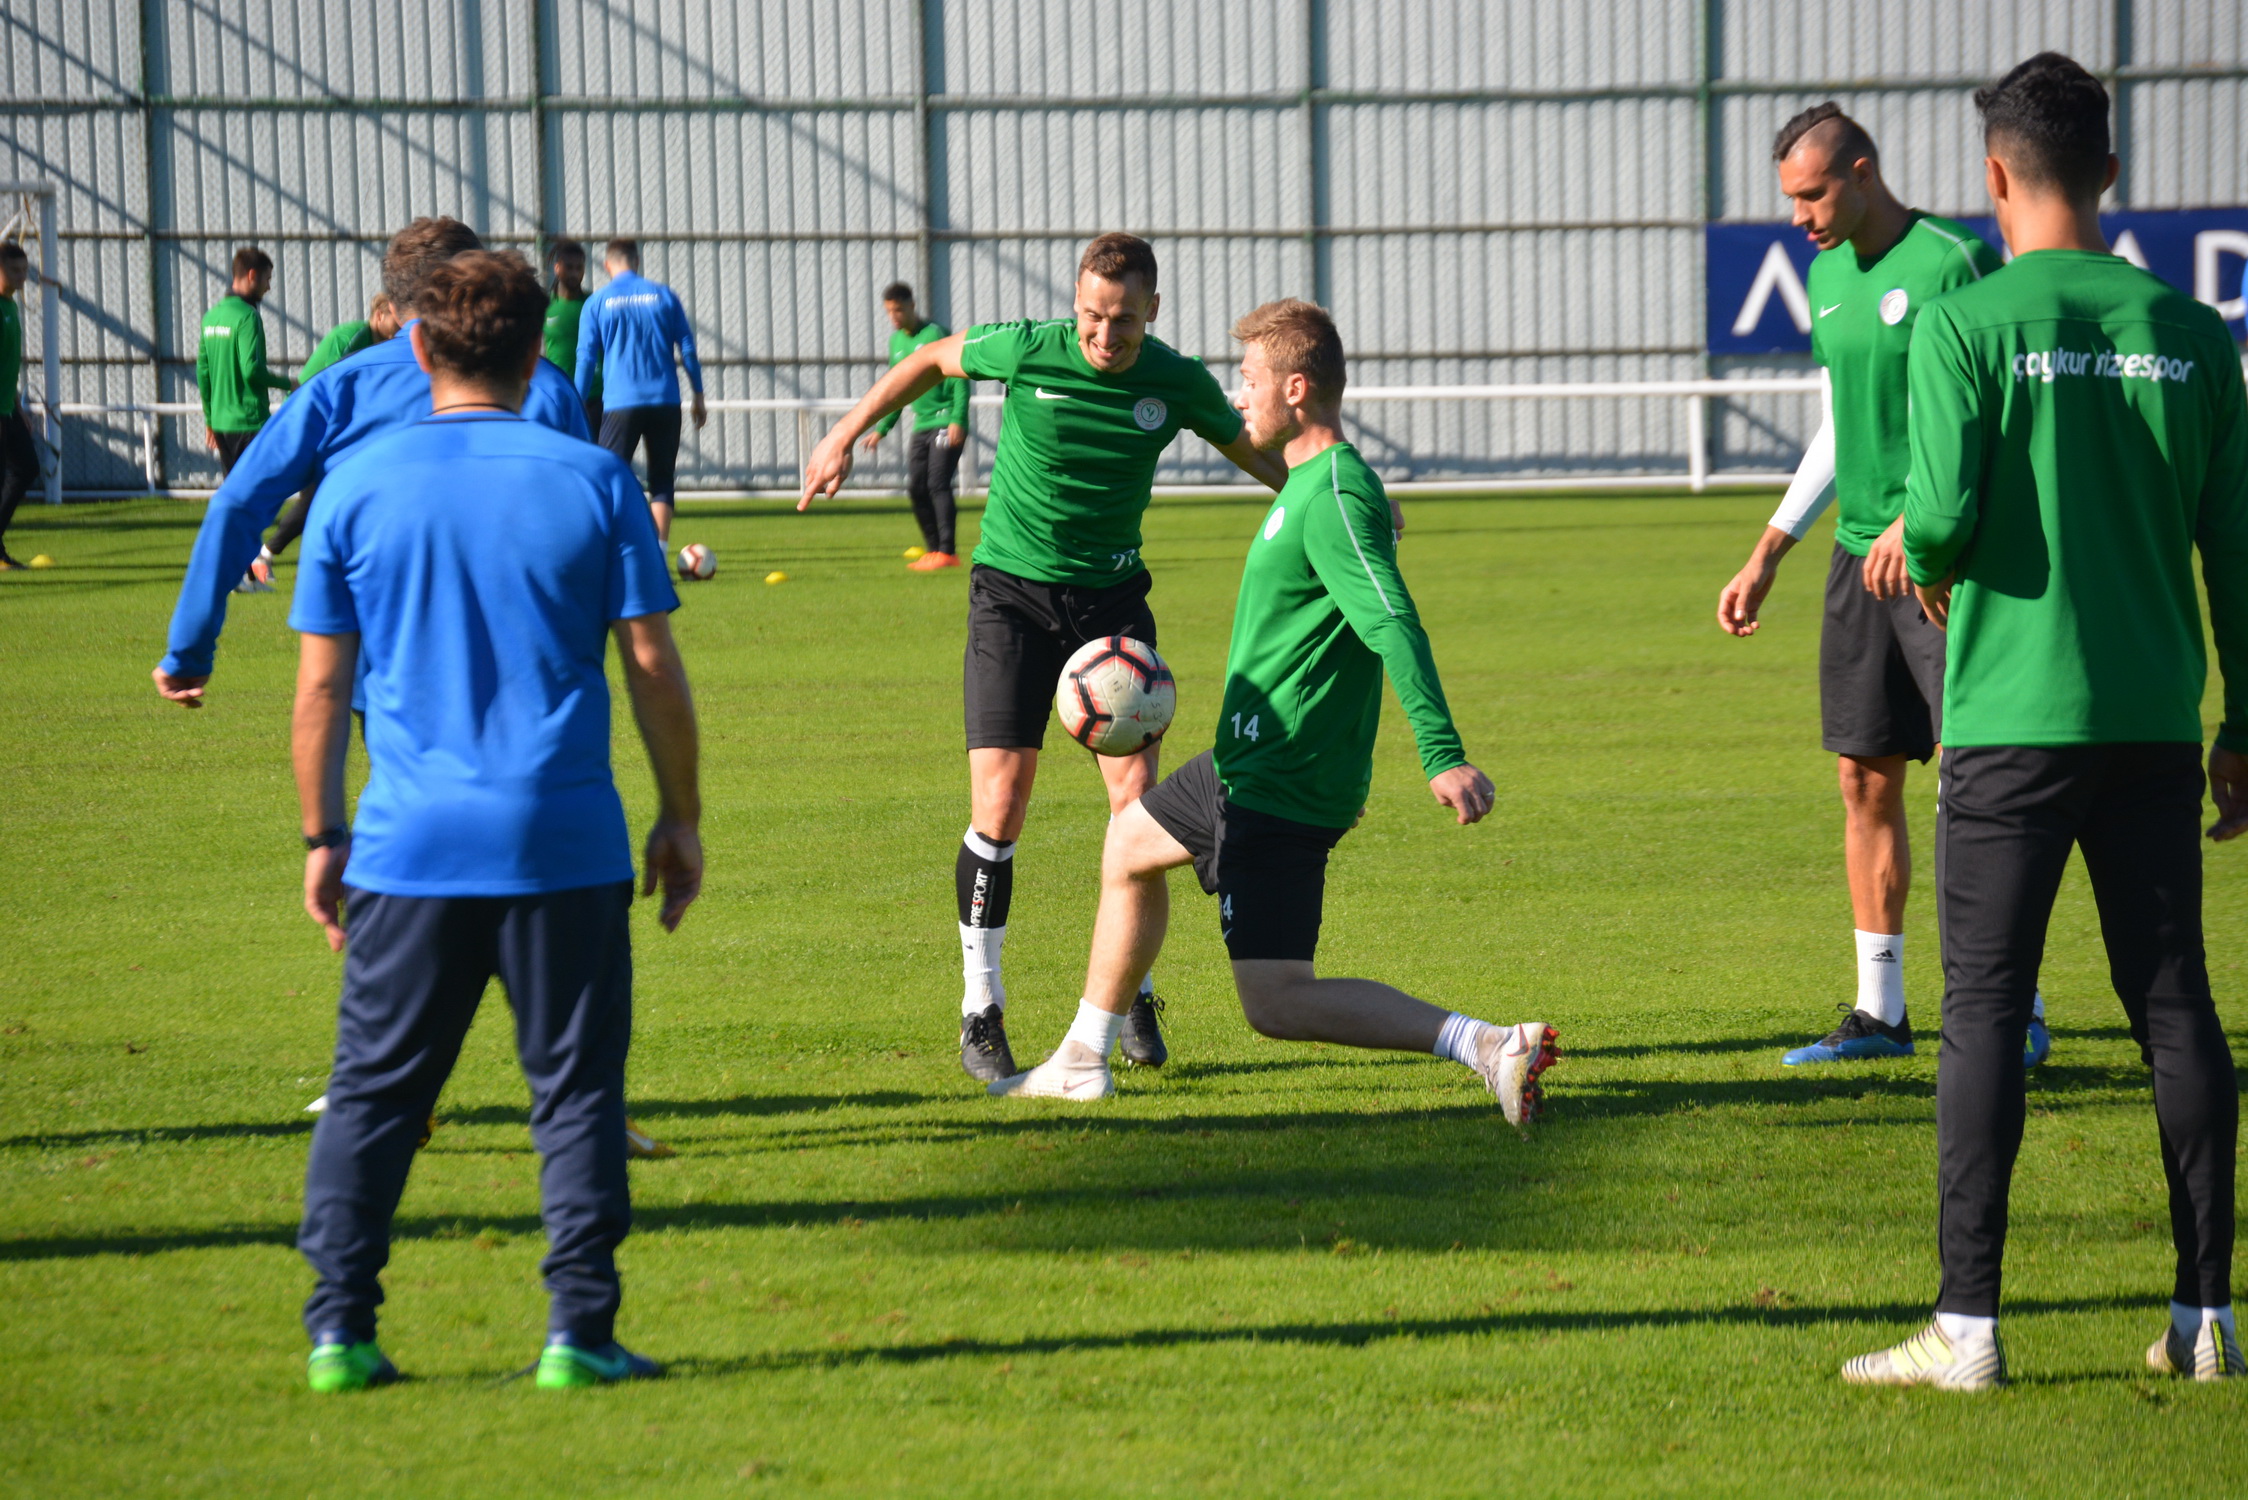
x=42, y=561
x=913, y=552
x=776, y=577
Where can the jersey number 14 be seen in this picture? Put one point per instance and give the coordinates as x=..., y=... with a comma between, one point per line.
x=1246, y=731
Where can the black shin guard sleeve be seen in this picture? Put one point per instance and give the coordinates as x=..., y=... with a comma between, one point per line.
x=985, y=887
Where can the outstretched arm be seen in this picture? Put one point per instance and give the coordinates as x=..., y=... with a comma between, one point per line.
x=1267, y=469
x=906, y=381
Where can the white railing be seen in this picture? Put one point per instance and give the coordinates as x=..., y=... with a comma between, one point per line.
x=1693, y=397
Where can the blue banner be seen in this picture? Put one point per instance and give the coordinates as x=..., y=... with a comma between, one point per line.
x=1755, y=271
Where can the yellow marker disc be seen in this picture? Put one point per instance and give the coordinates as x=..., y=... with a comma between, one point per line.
x=913, y=552
x=776, y=577
x=42, y=561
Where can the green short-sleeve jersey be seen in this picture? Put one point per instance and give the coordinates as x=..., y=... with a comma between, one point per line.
x=942, y=404
x=231, y=374
x=342, y=341
x=562, y=338
x=1322, y=611
x=1078, y=448
x=11, y=354
x=2078, y=428
x=1861, y=327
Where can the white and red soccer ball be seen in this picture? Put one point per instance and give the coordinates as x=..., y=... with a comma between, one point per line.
x=1115, y=696
x=696, y=561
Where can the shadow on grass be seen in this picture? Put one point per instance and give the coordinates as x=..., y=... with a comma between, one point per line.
x=1358, y=1334
x=689, y=1109
x=152, y=1134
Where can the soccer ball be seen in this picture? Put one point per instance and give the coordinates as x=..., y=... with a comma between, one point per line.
x=1116, y=697
x=696, y=561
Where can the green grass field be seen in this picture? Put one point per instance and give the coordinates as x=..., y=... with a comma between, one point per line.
x=1269, y=1269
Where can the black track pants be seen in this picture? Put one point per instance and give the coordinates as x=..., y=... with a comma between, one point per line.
x=2009, y=817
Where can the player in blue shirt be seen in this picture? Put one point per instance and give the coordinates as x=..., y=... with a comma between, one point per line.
x=490, y=840
x=373, y=392
x=625, y=340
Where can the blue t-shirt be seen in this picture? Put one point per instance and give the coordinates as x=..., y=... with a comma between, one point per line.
x=482, y=559
x=375, y=391
x=625, y=336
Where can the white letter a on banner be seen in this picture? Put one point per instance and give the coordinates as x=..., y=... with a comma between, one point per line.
x=1777, y=274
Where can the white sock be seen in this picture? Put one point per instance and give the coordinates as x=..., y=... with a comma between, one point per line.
x=2037, y=1005
x=1147, y=984
x=2189, y=1321
x=979, y=966
x=1461, y=1038
x=1881, y=976
x=265, y=554
x=1961, y=1328
x=1095, y=1028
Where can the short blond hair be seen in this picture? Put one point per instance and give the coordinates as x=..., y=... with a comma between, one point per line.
x=1298, y=338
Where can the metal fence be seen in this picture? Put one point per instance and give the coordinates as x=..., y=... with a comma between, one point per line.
x=1486, y=193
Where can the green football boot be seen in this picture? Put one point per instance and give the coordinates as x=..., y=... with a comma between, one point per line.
x=564, y=1366
x=340, y=1366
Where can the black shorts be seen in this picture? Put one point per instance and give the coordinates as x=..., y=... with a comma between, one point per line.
x=232, y=445
x=1020, y=632
x=1268, y=873
x=1881, y=670
x=623, y=427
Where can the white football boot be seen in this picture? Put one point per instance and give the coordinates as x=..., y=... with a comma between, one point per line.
x=1073, y=1072
x=641, y=1146
x=1510, y=1061
x=1931, y=1358
x=2212, y=1354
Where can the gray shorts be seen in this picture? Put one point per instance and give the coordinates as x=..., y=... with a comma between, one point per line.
x=1881, y=670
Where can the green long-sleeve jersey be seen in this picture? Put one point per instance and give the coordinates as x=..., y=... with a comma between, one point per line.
x=1323, y=611
x=230, y=369
x=341, y=342
x=2078, y=428
x=11, y=354
x=942, y=404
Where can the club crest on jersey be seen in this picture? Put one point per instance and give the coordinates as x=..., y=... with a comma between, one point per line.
x=1149, y=412
x=1893, y=305
x=1274, y=521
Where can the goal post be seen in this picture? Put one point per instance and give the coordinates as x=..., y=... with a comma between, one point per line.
x=35, y=201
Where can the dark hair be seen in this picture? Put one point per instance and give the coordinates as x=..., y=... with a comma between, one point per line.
x=897, y=291
x=249, y=260
x=1848, y=137
x=482, y=312
x=12, y=250
x=2048, y=120
x=1298, y=338
x=627, y=251
x=1114, y=256
x=565, y=250
x=416, y=251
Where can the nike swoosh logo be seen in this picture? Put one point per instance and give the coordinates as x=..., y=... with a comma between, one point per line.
x=1046, y=395
x=1822, y=311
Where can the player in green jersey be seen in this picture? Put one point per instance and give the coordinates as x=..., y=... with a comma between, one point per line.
x=2079, y=428
x=340, y=343
x=1323, y=613
x=940, y=428
x=562, y=314
x=19, y=455
x=231, y=374
x=1092, y=402
x=1881, y=663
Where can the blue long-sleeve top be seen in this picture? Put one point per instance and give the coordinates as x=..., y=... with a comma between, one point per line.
x=376, y=391
x=626, y=333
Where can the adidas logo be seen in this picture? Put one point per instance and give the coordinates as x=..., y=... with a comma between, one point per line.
x=1883, y=957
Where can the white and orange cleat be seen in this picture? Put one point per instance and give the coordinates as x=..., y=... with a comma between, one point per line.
x=1512, y=1059
x=1073, y=1072
x=641, y=1146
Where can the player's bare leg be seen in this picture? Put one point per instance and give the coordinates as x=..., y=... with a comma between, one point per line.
x=660, y=511
x=1128, y=777
x=1877, y=856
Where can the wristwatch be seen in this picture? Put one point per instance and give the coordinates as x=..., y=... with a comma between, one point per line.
x=327, y=838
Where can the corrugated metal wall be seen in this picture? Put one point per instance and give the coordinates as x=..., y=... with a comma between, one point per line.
x=1482, y=191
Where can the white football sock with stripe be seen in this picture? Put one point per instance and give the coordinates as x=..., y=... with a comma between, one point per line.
x=1461, y=1038
x=1881, y=976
